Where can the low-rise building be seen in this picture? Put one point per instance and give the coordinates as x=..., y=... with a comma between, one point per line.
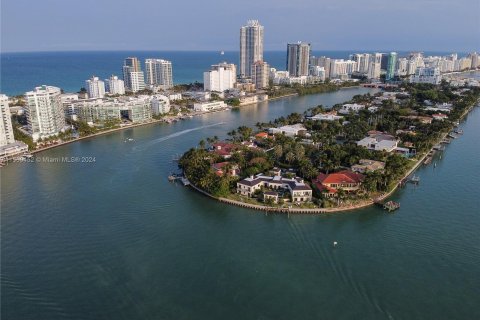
x=367, y=165
x=351, y=107
x=270, y=195
x=329, y=184
x=101, y=110
x=160, y=104
x=223, y=149
x=379, y=141
x=222, y=168
x=327, y=116
x=290, y=130
x=298, y=189
x=209, y=106
x=439, y=116
x=12, y=150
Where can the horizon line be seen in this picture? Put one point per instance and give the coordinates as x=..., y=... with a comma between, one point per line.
x=235, y=51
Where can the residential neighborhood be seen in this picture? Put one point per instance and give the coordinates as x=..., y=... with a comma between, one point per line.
x=323, y=159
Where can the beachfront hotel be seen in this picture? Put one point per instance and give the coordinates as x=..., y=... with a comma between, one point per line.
x=159, y=73
x=45, y=114
x=251, y=46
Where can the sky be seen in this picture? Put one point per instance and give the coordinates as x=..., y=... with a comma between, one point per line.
x=68, y=25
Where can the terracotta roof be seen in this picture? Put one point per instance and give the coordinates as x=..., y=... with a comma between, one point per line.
x=262, y=135
x=220, y=165
x=223, y=148
x=340, y=177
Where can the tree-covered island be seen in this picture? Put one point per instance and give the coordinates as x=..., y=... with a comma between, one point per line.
x=341, y=157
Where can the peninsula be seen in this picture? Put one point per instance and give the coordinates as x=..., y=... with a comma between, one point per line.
x=350, y=156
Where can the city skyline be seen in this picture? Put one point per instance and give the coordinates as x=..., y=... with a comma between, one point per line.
x=384, y=23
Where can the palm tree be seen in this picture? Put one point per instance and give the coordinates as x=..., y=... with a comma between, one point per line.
x=290, y=157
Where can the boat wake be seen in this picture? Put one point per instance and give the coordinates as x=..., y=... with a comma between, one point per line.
x=177, y=134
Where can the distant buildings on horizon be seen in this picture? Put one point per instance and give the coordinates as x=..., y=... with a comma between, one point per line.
x=47, y=108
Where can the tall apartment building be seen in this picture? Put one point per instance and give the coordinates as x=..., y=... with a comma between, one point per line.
x=115, y=85
x=133, y=76
x=251, y=46
x=6, y=129
x=402, y=67
x=220, y=77
x=259, y=72
x=159, y=73
x=391, y=64
x=298, y=59
x=323, y=62
x=475, y=60
x=44, y=111
x=95, y=87
x=374, y=67
x=362, y=60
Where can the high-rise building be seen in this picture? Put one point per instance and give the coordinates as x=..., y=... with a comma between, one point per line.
x=95, y=87
x=391, y=64
x=322, y=62
x=159, y=73
x=220, y=77
x=298, y=59
x=374, y=67
x=402, y=67
x=317, y=71
x=6, y=129
x=251, y=46
x=45, y=115
x=115, y=85
x=475, y=58
x=259, y=72
x=133, y=76
x=363, y=61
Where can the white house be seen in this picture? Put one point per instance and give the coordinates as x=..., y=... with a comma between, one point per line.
x=327, y=116
x=298, y=189
x=209, y=106
x=379, y=141
x=351, y=107
x=290, y=130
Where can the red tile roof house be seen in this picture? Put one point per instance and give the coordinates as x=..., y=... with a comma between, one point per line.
x=224, y=149
x=346, y=180
x=219, y=169
x=261, y=135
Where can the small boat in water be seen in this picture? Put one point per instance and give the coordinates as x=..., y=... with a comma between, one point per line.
x=415, y=179
x=391, y=206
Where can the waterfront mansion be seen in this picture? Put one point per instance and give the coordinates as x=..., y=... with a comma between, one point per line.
x=298, y=189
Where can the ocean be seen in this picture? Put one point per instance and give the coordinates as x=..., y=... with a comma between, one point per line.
x=21, y=72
